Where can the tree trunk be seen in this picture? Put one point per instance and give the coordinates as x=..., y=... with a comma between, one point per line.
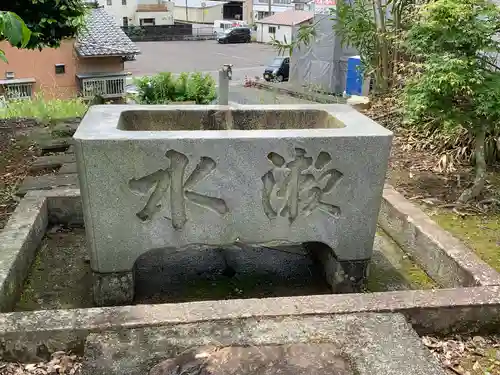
x=384, y=50
x=480, y=169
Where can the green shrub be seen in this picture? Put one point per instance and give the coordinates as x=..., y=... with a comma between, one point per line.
x=44, y=110
x=164, y=88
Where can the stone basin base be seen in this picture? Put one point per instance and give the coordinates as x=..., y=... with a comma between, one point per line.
x=169, y=177
x=111, y=289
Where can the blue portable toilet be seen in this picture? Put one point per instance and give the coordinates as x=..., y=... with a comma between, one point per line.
x=354, y=78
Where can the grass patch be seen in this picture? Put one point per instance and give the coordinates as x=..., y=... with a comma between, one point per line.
x=44, y=110
x=480, y=233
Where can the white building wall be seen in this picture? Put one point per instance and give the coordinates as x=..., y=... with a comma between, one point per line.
x=119, y=11
x=282, y=31
x=262, y=8
x=161, y=18
x=199, y=15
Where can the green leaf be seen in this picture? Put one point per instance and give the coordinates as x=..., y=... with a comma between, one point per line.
x=14, y=29
x=2, y=56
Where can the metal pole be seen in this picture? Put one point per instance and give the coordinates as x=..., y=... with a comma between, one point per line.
x=187, y=10
x=223, y=87
x=269, y=8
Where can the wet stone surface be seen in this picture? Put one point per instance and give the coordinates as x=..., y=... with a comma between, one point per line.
x=295, y=359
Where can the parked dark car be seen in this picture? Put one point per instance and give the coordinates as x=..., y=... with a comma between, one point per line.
x=279, y=70
x=236, y=35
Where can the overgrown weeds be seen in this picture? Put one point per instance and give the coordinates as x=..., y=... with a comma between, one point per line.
x=44, y=110
x=165, y=88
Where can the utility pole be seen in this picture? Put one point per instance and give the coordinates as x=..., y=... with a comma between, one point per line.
x=187, y=10
x=269, y=7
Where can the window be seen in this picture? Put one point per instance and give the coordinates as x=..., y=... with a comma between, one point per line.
x=272, y=30
x=147, y=21
x=18, y=91
x=125, y=21
x=109, y=2
x=60, y=69
x=124, y=2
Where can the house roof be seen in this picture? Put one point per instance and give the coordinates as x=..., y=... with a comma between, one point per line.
x=288, y=17
x=101, y=36
x=198, y=3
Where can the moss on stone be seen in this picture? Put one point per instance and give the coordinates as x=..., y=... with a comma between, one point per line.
x=480, y=233
x=392, y=269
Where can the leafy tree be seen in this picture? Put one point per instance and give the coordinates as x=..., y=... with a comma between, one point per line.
x=50, y=21
x=13, y=29
x=373, y=28
x=457, y=83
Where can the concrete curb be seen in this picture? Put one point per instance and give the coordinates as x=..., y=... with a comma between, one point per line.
x=26, y=334
x=316, y=97
x=445, y=259
x=19, y=241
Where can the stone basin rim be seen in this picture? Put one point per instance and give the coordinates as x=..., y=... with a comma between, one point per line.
x=101, y=123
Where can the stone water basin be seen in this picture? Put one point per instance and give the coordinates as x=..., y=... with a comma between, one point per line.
x=169, y=177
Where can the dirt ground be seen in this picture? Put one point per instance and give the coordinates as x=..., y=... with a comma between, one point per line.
x=17, y=152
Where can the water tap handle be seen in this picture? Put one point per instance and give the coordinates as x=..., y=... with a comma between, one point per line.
x=228, y=69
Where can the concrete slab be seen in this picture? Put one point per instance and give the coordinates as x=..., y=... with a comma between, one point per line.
x=363, y=344
x=51, y=161
x=57, y=144
x=48, y=182
x=68, y=169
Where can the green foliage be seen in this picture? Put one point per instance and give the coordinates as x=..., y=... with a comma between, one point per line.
x=355, y=26
x=14, y=30
x=455, y=82
x=305, y=34
x=164, y=88
x=44, y=110
x=50, y=21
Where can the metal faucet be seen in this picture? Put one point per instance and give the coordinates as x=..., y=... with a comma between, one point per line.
x=227, y=68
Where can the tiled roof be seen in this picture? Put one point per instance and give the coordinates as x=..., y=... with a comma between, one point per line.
x=288, y=17
x=101, y=36
x=198, y=3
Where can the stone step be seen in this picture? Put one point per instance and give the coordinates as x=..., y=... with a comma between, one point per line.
x=299, y=345
x=60, y=144
x=68, y=168
x=51, y=161
x=48, y=182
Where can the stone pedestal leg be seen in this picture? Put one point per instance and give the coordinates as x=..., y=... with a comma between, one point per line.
x=113, y=289
x=343, y=276
x=351, y=276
